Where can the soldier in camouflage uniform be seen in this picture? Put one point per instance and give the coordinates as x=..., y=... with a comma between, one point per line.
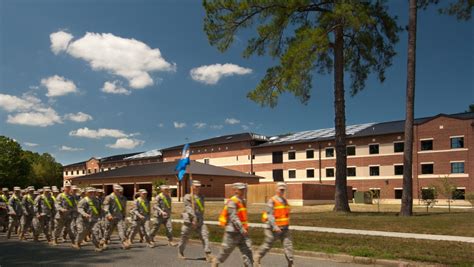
x=4, y=209
x=76, y=194
x=28, y=213
x=15, y=210
x=277, y=217
x=44, y=209
x=140, y=215
x=162, y=214
x=65, y=211
x=88, y=221
x=234, y=218
x=54, y=194
x=101, y=223
x=193, y=217
x=115, y=206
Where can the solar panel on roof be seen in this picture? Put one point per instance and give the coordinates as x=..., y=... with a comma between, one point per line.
x=151, y=153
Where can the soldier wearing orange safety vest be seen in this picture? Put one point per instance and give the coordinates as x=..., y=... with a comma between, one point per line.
x=235, y=220
x=277, y=217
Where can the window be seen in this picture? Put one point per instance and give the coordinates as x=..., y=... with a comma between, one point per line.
x=291, y=155
x=278, y=175
x=398, y=147
x=374, y=170
x=459, y=193
x=427, y=168
x=95, y=170
x=351, y=171
x=109, y=169
x=329, y=152
x=291, y=174
x=375, y=192
x=426, y=145
x=351, y=150
x=206, y=161
x=253, y=156
x=83, y=171
x=310, y=173
x=330, y=172
x=374, y=149
x=89, y=171
x=428, y=193
x=398, y=169
x=457, y=142
x=67, y=173
x=277, y=157
x=309, y=154
x=237, y=158
x=457, y=167
x=398, y=193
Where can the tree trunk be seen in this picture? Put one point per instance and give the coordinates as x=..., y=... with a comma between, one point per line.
x=341, y=202
x=407, y=195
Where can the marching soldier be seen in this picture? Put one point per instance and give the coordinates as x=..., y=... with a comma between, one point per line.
x=114, y=208
x=234, y=218
x=162, y=209
x=277, y=217
x=88, y=220
x=54, y=195
x=140, y=216
x=76, y=194
x=44, y=208
x=100, y=199
x=15, y=210
x=65, y=210
x=193, y=217
x=28, y=213
x=4, y=209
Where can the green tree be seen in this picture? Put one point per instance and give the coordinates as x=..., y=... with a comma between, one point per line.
x=310, y=37
x=462, y=9
x=14, y=168
x=447, y=189
x=44, y=169
x=471, y=108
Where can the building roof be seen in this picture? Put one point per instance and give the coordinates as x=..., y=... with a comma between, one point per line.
x=165, y=168
x=118, y=157
x=225, y=139
x=147, y=154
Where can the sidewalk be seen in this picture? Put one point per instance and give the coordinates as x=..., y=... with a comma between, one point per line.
x=463, y=239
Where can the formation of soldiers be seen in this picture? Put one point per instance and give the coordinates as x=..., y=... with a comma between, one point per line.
x=77, y=216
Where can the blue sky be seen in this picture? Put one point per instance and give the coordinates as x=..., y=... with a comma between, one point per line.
x=54, y=99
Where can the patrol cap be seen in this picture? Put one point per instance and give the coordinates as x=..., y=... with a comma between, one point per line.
x=16, y=188
x=143, y=191
x=67, y=183
x=40, y=191
x=100, y=190
x=47, y=189
x=281, y=185
x=196, y=183
x=164, y=186
x=239, y=185
x=74, y=187
x=5, y=189
x=90, y=189
x=30, y=188
x=55, y=190
x=118, y=187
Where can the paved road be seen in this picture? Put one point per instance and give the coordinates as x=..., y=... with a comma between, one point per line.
x=16, y=253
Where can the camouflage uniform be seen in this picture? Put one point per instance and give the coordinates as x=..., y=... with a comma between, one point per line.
x=15, y=208
x=196, y=215
x=28, y=214
x=44, y=208
x=101, y=221
x=4, y=212
x=88, y=220
x=162, y=206
x=65, y=211
x=140, y=215
x=115, y=206
x=75, y=214
x=271, y=235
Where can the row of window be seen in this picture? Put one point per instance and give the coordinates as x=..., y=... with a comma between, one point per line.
x=458, y=193
x=426, y=168
x=398, y=147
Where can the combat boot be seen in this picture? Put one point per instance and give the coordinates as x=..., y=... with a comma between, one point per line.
x=181, y=255
x=76, y=245
x=151, y=244
x=172, y=244
x=214, y=263
x=125, y=245
x=256, y=261
x=55, y=242
x=209, y=257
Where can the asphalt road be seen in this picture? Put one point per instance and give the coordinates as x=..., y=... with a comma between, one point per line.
x=27, y=253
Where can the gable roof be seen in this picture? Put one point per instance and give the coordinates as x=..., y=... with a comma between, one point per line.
x=165, y=168
x=225, y=139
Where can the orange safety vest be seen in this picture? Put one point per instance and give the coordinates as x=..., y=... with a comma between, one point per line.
x=281, y=212
x=241, y=213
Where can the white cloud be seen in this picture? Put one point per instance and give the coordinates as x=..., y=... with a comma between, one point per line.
x=98, y=134
x=30, y=144
x=13, y=103
x=232, y=121
x=200, y=125
x=124, y=57
x=179, y=124
x=78, y=117
x=72, y=149
x=60, y=41
x=42, y=118
x=211, y=74
x=161, y=125
x=114, y=88
x=58, y=86
x=245, y=127
x=216, y=127
x=126, y=143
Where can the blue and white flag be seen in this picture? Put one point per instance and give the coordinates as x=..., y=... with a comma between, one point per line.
x=183, y=162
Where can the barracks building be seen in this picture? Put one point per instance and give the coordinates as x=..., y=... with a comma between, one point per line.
x=443, y=147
